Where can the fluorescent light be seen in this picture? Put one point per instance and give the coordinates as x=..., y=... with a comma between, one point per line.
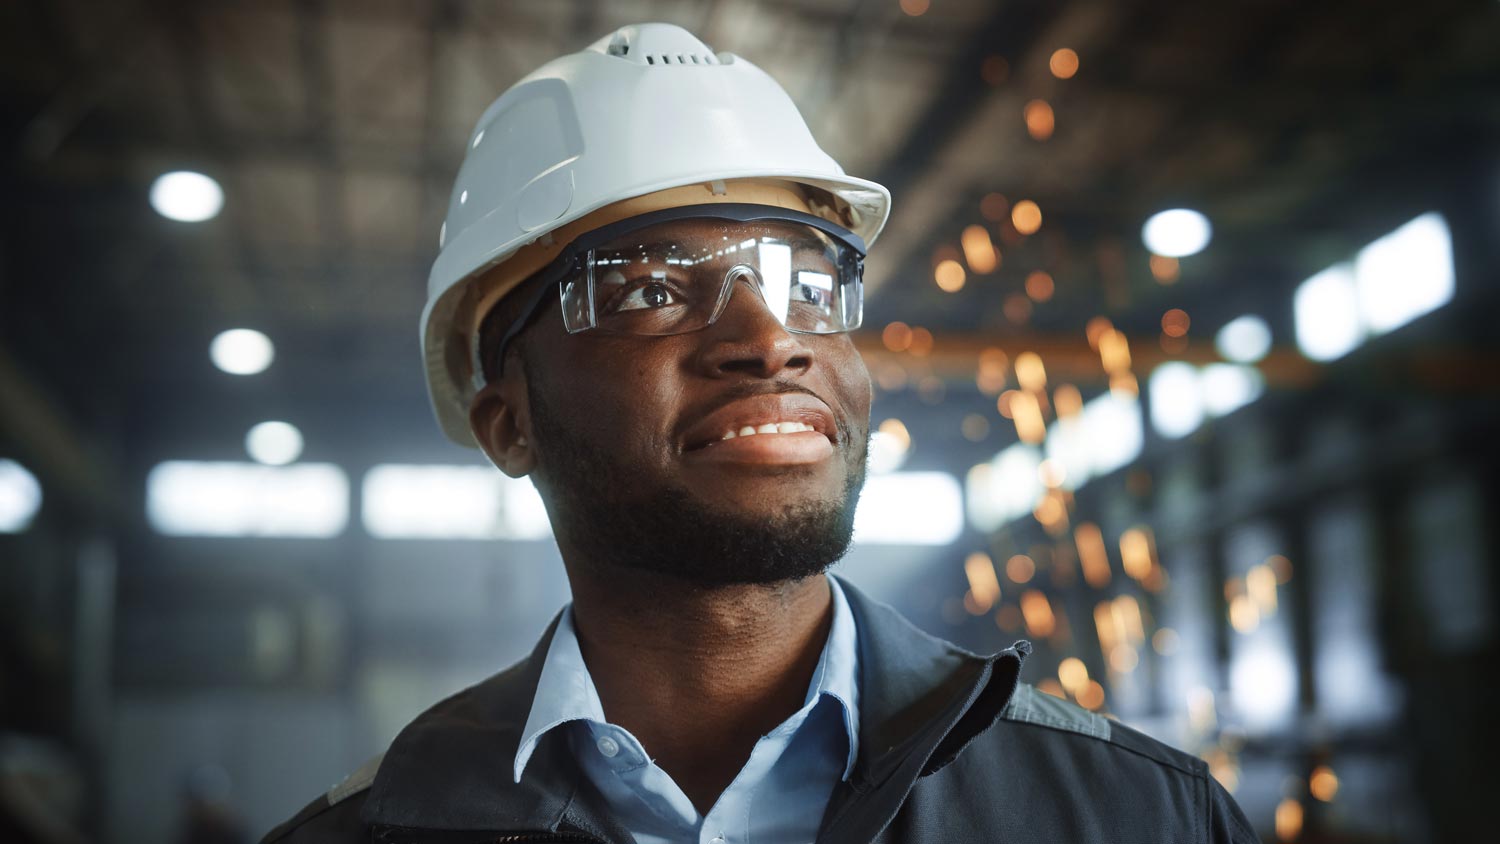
x=1227, y=387
x=190, y=498
x=1394, y=280
x=1327, y=312
x=1177, y=233
x=20, y=497
x=1115, y=432
x=1245, y=339
x=274, y=443
x=1405, y=274
x=1067, y=446
x=1005, y=488
x=1106, y=435
x=1263, y=683
x=186, y=196
x=450, y=502
x=1176, y=403
x=241, y=351
x=909, y=508
x=889, y=446
x=1182, y=395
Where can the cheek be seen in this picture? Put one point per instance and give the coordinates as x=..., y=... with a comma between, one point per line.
x=867, y=392
x=619, y=396
x=858, y=389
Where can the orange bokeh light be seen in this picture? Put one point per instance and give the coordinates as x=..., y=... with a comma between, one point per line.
x=1026, y=217
x=1064, y=63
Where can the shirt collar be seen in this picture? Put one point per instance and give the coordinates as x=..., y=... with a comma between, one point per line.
x=837, y=674
x=565, y=691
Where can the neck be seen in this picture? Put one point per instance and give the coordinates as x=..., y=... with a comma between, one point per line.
x=699, y=674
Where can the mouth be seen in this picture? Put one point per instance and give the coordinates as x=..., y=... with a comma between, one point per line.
x=763, y=429
x=776, y=428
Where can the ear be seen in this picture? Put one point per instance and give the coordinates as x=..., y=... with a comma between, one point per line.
x=500, y=419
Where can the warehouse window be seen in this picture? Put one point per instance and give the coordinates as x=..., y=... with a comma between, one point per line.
x=909, y=508
x=1405, y=274
x=1326, y=308
x=1183, y=395
x=192, y=498
x=1105, y=436
x=1394, y=280
x=1005, y=488
x=451, y=502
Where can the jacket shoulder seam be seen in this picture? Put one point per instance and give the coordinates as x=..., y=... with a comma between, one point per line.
x=1059, y=724
x=1069, y=729
x=1165, y=763
x=362, y=778
x=1022, y=707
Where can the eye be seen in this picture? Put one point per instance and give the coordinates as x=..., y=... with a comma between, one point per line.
x=813, y=288
x=649, y=295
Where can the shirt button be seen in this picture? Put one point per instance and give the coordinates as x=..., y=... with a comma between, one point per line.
x=609, y=747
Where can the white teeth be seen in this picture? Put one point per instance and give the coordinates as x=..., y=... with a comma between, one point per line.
x=768, y=428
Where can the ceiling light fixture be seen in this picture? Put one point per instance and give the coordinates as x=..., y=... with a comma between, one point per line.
x=1244, y=339
x=242, y=351
x=274, y=443
x=1177, y=233
x=186, y=196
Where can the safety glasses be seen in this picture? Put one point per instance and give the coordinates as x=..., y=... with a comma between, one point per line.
x=673, y=272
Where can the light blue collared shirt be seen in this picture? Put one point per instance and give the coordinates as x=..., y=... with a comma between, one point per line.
x=777, y=798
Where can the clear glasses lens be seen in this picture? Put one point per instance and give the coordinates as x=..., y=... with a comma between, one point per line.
x=677, y=277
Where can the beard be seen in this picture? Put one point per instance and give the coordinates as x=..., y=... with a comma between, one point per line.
x=668, y=531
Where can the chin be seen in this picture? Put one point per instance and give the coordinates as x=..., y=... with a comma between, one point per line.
x=767, y=497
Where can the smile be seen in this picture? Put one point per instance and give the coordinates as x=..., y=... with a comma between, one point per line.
x=767, y=417
x=775, y=429
x=767, y=428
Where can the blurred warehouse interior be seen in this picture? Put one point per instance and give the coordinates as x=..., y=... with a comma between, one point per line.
x=1233, y=470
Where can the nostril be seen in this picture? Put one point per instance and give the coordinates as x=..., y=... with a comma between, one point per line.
x=746, y=365
x=762, y=362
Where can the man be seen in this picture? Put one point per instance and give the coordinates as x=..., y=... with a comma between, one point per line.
x=648, y=275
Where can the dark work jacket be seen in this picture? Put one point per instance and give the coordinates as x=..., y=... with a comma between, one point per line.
x=952, y=748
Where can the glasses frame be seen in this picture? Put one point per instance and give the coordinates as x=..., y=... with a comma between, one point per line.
x=569, y=262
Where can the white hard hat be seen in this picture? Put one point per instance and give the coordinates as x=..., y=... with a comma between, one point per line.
x=646, y=109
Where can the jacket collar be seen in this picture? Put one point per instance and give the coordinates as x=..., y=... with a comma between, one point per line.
x=921, y=701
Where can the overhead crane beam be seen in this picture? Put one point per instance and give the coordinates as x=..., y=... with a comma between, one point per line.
x=1069, y=358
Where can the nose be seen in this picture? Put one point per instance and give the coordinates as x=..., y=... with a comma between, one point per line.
x=747, y=339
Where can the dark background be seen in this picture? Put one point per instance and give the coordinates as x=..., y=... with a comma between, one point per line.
x=145, y=676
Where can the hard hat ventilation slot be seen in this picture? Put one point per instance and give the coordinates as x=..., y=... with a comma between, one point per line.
x=683, y=59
